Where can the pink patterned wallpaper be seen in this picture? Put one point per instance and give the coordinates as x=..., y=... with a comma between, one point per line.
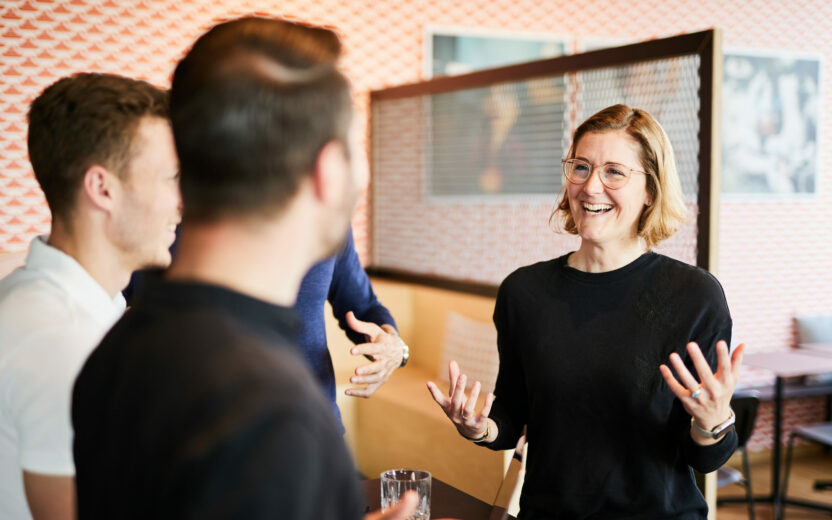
x=775, y=253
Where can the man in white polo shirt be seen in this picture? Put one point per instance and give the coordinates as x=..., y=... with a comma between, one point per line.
x=102, y=150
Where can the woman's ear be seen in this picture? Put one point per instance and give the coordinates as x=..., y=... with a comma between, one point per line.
x=650, y=195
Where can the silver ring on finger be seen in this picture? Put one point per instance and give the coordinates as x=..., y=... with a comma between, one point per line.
x=696, y=393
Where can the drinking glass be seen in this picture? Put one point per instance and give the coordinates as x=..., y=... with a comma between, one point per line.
x=396, y=482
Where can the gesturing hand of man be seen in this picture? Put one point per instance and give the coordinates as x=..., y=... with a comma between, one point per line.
x=383, y=347
x=708, y=400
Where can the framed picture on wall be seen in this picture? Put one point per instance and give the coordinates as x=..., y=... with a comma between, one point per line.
x=770, y=122
x=595, y=43
x=455, y=50
x=496, y=141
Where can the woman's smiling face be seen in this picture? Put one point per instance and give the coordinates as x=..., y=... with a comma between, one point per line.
x=602, y=215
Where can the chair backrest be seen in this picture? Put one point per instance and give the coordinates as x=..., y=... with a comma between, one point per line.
x=745, y=406
x=472, y=344
x=814, y=328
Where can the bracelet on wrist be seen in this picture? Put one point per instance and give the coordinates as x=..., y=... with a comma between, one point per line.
x=717, y=431
x=484, y=435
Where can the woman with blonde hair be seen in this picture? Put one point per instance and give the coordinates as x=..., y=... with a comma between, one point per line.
x=583, y=340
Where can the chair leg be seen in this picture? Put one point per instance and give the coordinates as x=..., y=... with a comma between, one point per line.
x=788, y=466
x=748, y=491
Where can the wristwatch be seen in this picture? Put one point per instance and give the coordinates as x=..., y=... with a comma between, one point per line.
x=718, y=431
x=405, y=353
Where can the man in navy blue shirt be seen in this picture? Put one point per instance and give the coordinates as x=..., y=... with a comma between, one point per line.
x=342, y=280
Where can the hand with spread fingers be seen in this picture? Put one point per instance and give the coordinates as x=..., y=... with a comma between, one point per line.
x=707, y=400
x=383, y=347
x=460, y=408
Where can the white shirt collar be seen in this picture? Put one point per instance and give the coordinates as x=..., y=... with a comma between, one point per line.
x=79, y=284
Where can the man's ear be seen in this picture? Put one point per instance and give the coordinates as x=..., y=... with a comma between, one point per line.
x=100, y=187
x=330, y=173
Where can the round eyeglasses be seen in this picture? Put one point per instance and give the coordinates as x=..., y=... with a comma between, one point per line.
x=613, y=175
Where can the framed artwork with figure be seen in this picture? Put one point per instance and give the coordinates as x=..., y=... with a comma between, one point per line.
x=771, y=111
x=456, y=50
x=501, y=140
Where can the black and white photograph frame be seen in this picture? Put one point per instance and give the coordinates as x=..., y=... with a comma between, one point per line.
x=450, y=50
x=476, y=140
x=771, y=109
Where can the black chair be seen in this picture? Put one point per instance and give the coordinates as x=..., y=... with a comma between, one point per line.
x=745, y=407
x=814, y=329
x=820, y=433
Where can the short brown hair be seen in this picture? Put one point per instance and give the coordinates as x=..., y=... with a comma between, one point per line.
x=83, y=120
x=252, y=104
x=666, y=212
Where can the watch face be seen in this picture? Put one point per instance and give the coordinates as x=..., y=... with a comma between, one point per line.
x=718, y=430
x=722, y=428
x=405, y=355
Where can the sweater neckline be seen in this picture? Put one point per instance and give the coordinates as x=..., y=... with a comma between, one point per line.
x=608, y=276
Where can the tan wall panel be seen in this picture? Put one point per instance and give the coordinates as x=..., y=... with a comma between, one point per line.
x=401, y=425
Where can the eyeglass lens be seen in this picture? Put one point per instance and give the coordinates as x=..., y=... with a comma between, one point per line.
x=612, y=174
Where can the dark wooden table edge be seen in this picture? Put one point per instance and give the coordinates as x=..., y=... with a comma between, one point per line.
x=446, y=502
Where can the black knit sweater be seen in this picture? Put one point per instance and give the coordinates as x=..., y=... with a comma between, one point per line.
x=579, y=364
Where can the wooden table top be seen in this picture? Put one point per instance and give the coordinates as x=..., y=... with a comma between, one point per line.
x=445, y=501
x=790, y=363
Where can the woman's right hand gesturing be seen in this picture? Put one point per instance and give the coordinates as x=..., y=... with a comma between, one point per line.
x=459, y=408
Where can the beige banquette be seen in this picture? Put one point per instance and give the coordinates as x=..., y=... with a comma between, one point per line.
x=401, y=426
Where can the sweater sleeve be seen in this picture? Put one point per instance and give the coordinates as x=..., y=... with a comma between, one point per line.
x=510, y=406
x=713, y=324
x=705, y=459
x=351, y=290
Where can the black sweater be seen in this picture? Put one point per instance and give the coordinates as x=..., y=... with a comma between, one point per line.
x=579, y=364
x=197, y=404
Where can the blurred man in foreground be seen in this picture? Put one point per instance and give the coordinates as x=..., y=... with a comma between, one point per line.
x=198, y=403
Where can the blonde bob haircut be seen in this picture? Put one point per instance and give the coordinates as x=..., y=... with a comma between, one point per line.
x=666, y=212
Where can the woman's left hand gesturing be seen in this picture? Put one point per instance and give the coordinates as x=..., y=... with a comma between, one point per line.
x=708, y=400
